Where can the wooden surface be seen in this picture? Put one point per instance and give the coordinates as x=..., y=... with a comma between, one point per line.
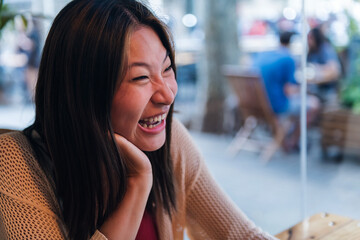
x=323, y=226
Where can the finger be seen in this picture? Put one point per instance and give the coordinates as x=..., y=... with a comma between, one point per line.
x=135, y=159
x=127, y=147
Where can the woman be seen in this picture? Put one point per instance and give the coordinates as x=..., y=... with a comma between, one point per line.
x=97, y=162
x=323, y=58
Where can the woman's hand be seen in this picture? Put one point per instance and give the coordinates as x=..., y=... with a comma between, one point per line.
x=124, y=222
x=137, y=163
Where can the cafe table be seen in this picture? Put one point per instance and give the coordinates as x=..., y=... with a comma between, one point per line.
x=323, y=226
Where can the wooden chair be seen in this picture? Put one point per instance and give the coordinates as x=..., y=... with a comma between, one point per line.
x=256, y=110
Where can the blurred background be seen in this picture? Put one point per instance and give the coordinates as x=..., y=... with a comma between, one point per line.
x=221, y=46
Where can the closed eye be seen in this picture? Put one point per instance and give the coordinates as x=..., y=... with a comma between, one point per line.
x=168, y=68
x=140, y=78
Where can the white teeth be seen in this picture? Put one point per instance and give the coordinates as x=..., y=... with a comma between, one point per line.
x=153, y=121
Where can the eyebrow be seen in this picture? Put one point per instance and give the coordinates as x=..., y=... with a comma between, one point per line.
x=143, y=64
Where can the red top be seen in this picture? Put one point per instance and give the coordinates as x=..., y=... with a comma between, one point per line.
x=147, y=230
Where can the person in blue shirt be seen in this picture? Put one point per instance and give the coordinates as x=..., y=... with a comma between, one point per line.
x=277, y=69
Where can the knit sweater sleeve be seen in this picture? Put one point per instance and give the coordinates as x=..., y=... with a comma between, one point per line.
x=28, y=205
x=210, y=214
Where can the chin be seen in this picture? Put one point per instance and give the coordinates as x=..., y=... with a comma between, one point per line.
x=155, y=145
x=151, y=148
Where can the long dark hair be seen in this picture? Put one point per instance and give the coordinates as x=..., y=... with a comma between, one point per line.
x=83, y=59
x=319, y=38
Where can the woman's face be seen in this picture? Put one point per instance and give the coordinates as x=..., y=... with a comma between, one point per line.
x=142, y=101
x=311, y=41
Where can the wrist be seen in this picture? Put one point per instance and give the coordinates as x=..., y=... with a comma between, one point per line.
x=141, y=181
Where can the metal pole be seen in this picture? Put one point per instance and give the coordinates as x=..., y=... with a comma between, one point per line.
x=303, y=137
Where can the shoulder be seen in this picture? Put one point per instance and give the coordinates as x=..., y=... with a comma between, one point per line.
x=12, y=140
x=28, y=204
x=182, y=144
x=186, y=157
x=15, y=150
x=285, y=54
x=22, y=178
x=177, y=128
x=328, y=50
x=17, y=162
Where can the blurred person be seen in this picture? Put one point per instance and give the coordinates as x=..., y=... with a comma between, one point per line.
x=277, y=69
x=324, y=66
x=29, y=43
x=13, y=61
x=34, y=34
x=104, y=159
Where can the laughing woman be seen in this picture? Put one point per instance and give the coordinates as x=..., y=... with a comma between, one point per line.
x=104, y=159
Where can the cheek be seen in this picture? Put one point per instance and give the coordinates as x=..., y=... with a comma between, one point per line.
x=174, y=86
x=117, y=120
x=124, y=116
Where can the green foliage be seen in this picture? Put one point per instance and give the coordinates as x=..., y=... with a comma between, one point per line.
x=350, y=93
x=353, y=28
x=6, y=16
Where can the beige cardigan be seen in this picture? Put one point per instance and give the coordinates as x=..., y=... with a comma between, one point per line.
x=29, y=208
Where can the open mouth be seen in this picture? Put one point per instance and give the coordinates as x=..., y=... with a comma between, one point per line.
x=152, y=121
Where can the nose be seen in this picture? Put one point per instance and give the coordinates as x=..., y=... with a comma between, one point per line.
x=165, y=92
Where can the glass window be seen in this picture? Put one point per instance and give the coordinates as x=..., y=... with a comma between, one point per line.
x=240, y=96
